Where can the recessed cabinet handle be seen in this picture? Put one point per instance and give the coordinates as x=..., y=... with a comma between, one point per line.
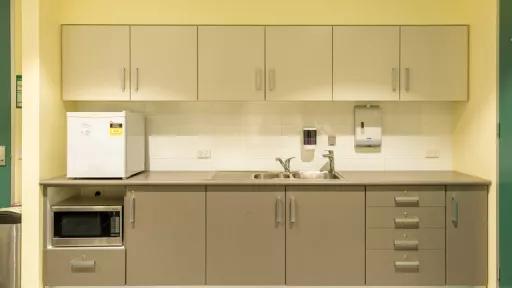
x=80, y=265
x=293, y=211
x=393, y=79
x=258, y=75
x=407, y=201
x=407, y=223
x=137, y=72
x=279, y=211
x=124, y=79
x=455, y=211
x=132, y=209
x=407, y=79
x=412, y=266
x=406, y=244
x=271, y=79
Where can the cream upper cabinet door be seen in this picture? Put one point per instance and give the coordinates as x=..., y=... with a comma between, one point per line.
x=325, y=236
x=165, y=235
x=366, y=63
x=299, y=63
x=246, y=235
x=231, y=63
x=164, y=63
x=434, y=62
x=95, y=63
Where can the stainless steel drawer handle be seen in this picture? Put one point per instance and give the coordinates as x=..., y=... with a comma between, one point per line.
x=80, y=265
x=279, y=211
x=293, y=211
x=407, y=223
x=406, y=244
x=407, y=266
x=455, y=212
x=407, y=201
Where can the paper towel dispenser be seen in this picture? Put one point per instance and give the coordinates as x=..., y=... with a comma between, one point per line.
x=368, y=125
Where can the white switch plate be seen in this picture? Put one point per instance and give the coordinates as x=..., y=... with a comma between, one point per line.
x=204, y=154
x=2, y=156
x=432, y=154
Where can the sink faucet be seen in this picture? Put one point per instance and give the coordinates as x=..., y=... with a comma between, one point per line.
x=285, y=163
x=330, y=156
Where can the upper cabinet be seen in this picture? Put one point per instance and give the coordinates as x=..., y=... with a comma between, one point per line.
x=366, y=63
x=299, y=63
x=95, y=63
x=434, y=62
x=164, y=63
x=231, y=63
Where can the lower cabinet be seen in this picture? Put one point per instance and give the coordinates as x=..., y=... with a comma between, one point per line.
x=165, y=235
x=466, y=235
x=325, y=235
x=84, y=267
x=246, y=235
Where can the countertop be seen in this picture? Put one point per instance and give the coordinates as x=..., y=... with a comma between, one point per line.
x=154, y=178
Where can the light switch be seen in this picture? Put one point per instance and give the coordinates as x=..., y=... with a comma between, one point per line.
x=2, y=156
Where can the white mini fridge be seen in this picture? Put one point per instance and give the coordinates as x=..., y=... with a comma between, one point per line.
x=105, y=144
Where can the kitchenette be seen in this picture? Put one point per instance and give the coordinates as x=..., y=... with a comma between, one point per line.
x=300, y=155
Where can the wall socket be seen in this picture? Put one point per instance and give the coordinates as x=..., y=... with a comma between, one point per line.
x=432, y=154
x=204, y=154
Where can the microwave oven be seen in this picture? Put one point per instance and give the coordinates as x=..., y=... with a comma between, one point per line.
x=80, y=222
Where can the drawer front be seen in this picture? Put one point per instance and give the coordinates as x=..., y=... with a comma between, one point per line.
x=405, y=268
x=405, y=196
x=79, y=267
x=405, y=218
x=405, y=239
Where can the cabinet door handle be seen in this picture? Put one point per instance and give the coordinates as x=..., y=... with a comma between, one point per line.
x=407, y=265
x=455, y=211
x=407, y=79
x=279, y=211
x=80, y=265
x=293, y=211
x=393, y=79
x=406, y=244
x=407, y=223
x=258, y=75
x=271, y=79
x=132, y=209
x=137, y=72
x=124, y=79
x=407, y=201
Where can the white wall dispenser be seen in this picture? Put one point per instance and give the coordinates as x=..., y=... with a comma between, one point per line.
x=368, y=125
x=309, y=138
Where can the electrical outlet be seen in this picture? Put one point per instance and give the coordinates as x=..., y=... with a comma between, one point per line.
x=204, y=154
x=432, y=154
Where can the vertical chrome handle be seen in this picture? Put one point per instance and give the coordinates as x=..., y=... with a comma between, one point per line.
x=407, y=79
x=279, y=211
x=137, y=79
x=132, y=208
x=258, y=75
x=393, y=79
x=455, y=211
x=271, y=79
x=293, y=211
x=124, y=79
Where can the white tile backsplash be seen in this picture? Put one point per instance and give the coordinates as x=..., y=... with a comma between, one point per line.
x=248, y=136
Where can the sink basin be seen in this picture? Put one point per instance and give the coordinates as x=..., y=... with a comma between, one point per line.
x=315, y=175
x=271, y=175
x=296, y=175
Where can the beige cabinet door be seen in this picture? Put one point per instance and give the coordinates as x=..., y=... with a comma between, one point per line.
x=434, y=61
x=325, y=236
x=466, y=235
x=299, y=63
x=165, y=236
x=366, y=63
x=246, y=235
x=164, y=63
x=95, y=63
x=231, y=63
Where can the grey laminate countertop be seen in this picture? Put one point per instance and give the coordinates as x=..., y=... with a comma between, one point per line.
x=244, y=178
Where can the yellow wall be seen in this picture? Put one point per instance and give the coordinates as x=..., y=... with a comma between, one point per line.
x=474, y=118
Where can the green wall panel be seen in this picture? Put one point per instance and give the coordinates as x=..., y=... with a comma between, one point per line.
x=5, y=100
x=505, y=158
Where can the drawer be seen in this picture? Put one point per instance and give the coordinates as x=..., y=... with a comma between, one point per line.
x=85, y=267
x=405, y=239
x=405, y=218
x=405, y=196
x=405, y=268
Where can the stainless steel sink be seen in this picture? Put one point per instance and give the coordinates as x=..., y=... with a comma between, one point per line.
x=308, y=175
x=315, y=175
